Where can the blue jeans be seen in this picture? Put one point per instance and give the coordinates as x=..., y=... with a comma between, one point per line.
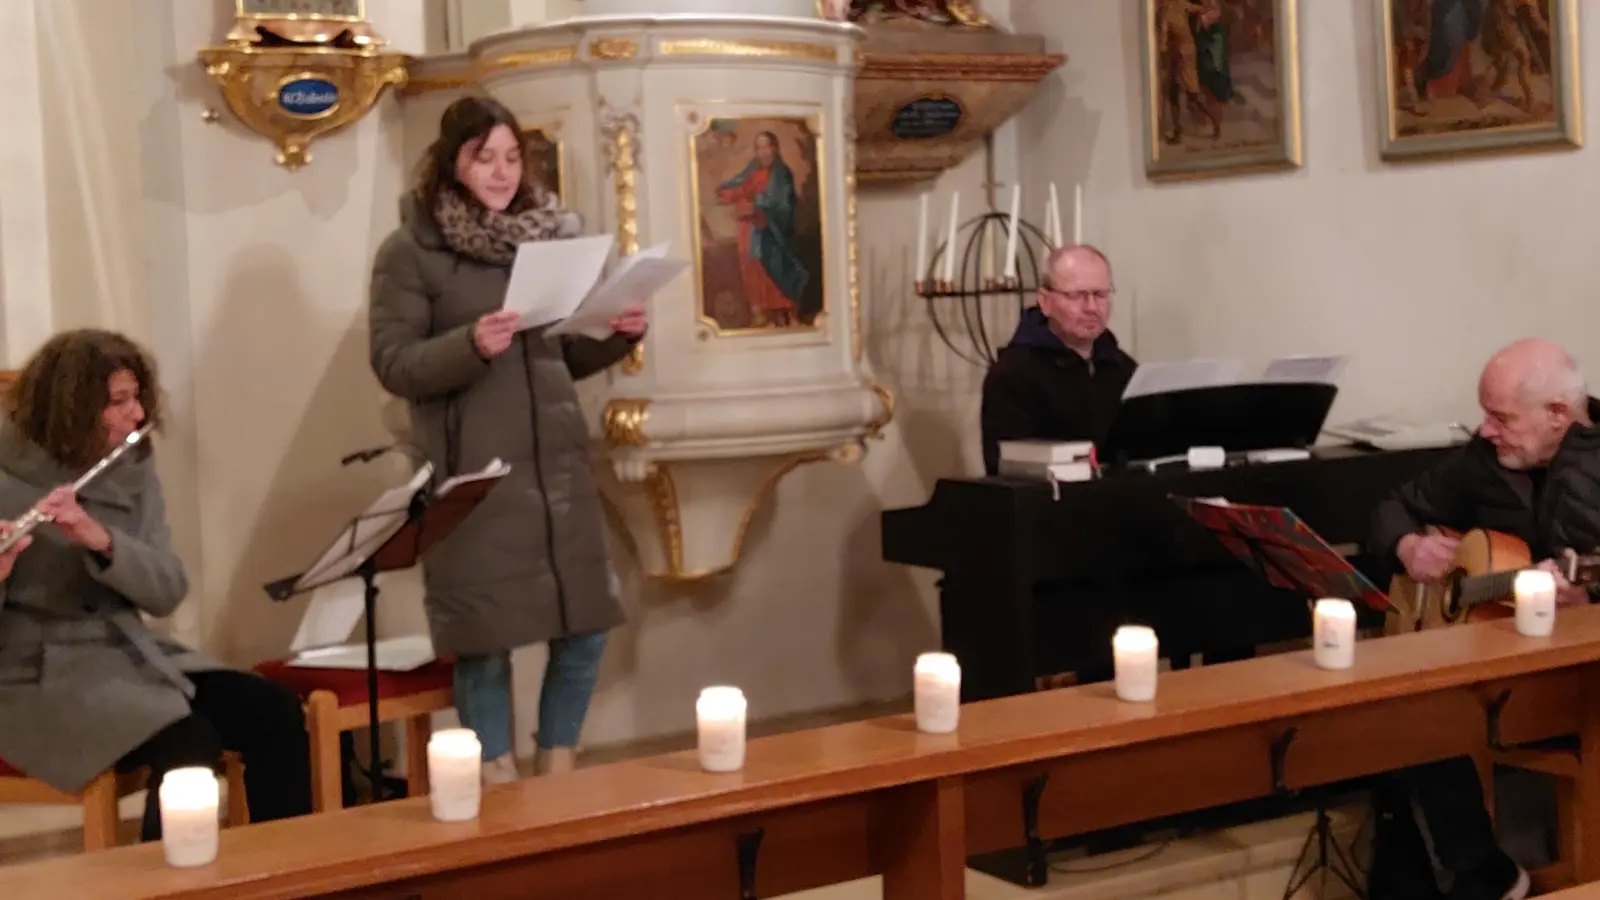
x=483, y=694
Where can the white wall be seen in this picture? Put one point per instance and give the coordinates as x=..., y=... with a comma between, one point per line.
x=1419, y=270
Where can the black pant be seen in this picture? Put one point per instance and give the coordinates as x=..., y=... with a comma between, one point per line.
x=1454, y=835
x=261, y=721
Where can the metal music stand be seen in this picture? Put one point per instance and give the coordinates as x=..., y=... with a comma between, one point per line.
x=1283, y=549
x=387, y=537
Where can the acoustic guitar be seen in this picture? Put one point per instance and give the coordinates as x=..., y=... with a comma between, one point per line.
x=1479, y=584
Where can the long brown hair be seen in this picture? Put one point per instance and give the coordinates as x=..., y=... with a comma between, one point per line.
x=57, y=400
x=464, y=121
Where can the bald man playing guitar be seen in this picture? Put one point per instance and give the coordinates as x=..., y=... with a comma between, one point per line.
x=1532, y=471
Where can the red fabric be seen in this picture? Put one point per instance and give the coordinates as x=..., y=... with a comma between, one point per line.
x=7, y=770
x=350, y=685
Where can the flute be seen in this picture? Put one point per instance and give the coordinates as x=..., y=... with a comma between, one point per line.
x=32, y=519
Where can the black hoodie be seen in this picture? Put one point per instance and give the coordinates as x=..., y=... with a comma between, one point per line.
x=1041, y=389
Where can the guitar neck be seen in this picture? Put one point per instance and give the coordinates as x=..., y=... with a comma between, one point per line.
x=1491, y=588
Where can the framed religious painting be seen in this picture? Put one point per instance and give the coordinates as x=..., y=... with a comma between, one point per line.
x=1221, y=86
x=758, y=224
x=1471, y=76
x=543, y=155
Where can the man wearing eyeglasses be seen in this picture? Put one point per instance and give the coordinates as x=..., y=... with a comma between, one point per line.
x=1062, y=375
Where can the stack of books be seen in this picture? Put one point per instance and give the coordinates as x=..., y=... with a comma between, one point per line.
x=1054, y=461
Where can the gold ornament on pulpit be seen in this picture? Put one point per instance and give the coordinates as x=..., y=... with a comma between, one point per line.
x=295, y=70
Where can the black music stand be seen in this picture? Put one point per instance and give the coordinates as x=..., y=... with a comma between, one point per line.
x=396, y=540
x=1236, y=417
x=1279, y=546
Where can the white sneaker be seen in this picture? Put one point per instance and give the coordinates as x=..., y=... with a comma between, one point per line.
x=501, y=771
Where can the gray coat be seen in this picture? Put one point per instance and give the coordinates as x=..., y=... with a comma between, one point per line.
x=82, y=680
x=530, y=563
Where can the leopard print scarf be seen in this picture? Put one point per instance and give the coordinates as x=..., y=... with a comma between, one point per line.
x=492, y=237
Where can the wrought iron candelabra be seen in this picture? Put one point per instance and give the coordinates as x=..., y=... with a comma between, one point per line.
x=973, y=297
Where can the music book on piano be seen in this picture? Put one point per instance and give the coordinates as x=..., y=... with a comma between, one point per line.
x=1283, y=549
x=1042, y=452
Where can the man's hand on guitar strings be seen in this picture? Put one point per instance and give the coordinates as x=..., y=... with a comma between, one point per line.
x=1427, y=556
x=1567, y=593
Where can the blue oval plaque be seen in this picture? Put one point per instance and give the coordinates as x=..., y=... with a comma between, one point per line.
x=308, y=96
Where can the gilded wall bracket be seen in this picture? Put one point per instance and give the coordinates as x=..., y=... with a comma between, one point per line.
x=295, y=78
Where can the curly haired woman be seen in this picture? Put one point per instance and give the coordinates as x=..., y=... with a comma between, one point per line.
x=84, y=684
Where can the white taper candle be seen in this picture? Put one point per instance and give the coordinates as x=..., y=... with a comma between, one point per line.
x=921, y=272
x=950, y=238
x=1077, y=213
x=1011, y=239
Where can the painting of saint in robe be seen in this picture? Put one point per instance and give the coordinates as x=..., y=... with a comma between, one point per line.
x=760, y=224
x=542, y=156
x=1221, y=77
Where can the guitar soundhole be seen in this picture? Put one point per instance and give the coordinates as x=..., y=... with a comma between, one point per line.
x=1450, y=603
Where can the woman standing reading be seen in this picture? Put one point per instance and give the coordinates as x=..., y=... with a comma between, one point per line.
x=529, y=564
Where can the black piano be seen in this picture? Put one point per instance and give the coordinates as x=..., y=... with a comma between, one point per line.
x=1034, y=586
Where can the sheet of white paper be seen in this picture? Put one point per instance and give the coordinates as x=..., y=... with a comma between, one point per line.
x=331, y=615
x=363, y=536
x=495, y=469
x=633, y=280
x=1180, y=375
x=398, y=654
x=550, y=278
x=1315, y=369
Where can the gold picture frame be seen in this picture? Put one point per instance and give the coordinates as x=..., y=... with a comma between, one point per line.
x=759, y=225
x=319, y=10
x=1232, y=66
x=1510, y=84
x=547, y=155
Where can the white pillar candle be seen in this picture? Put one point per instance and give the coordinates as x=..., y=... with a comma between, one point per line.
x=1137, y=653
x=720, y=714
x=1054, y=213
x=1011, y=238
x=1077, y=214
x=950, y=238
x=921, y=272
x=1333, y=633
x=189, y=798
x=455, y=774
x=1535, y=590
x=938, y=693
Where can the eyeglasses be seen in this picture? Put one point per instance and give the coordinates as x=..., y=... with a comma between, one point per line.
x=1080, y=296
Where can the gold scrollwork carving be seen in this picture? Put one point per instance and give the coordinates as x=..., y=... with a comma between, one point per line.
x=715, y=47
x=530, y=59
x=663, y=495
x=621, y=133
x=623, y=421
x=886, y=397
x=614, y=48
x=293, y=95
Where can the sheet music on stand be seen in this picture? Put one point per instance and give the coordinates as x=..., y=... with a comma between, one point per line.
x=338, y=599
x=391, y=535
x=1283, y=549
x=1180, y=375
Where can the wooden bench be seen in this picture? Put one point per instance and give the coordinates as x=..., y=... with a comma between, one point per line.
x=840, y=803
